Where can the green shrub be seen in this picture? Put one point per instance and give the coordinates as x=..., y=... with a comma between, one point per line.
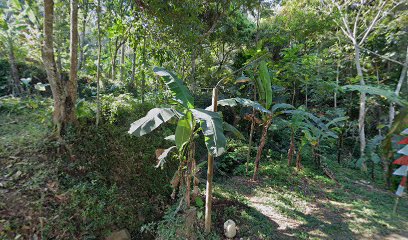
x=236, y=155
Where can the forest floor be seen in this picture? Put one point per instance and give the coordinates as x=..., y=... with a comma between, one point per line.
x=283, y=204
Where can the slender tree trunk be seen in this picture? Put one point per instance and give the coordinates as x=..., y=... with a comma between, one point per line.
x=83, y=34
x=340, y=146
x=134, y=70
x=210, y=165
x=98, y=71
x=72, y=85
x=362, y=111
x=294, y=94
x=398, y=89
x=299, y=158
x=188, y=183
x=261, y=146
x=113, y=62
x=258, y=16
x=15, y=86
x=193, y=69
x=122, y=62
x=143, y=69
x=337, y=83
x=251, y=134
x=291, y=151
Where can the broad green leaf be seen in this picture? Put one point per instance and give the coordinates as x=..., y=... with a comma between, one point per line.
x=179, y=91
x=374, y=143
x=375, y=158
x=211, y=125
x=15, y=4
x=228, y=127
x=232, y=102
x=336, y=120
x=184, y=130
x=163, y=156
x=266, y=81
x=153, y=119
x=261, y=89
x=281, y=106
x=243, y=79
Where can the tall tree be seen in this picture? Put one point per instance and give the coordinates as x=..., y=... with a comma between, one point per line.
x=64, y=94
x=72, y=84
x=9, y=30
x=398, y=88
x=98, y=70
x=365, y=16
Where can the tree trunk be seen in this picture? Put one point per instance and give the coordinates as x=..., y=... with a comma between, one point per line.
x=134, y=70
x=340, y=146
x=72, y=85
x=143, y=69
x=261, y=146
x=83, y=34
x=193, y=67
x=337, y=83
x=299, y=158
x=98, y=71
x=362, y=111
x=15, y=86
x=64, y=94
x=122, y=63
x=398, y=89
x=210, y=165
x=292, y=147
x=113, y=62
x=251, y=134
x=57, y=88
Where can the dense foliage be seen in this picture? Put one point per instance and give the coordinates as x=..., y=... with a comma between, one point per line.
x=292, y=93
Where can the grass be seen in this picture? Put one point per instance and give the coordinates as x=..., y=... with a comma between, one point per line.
x=307, y=205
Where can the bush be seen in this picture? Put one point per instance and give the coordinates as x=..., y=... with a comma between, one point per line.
x=123, y=164
x=236, y=155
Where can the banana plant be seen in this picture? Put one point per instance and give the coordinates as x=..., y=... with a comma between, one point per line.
x=314, y=132
x=264, y=106
x=191, y=122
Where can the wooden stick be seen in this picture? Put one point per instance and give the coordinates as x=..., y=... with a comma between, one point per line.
x=208, y=193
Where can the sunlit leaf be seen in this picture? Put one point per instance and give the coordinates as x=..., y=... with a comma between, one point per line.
x=266, y=82
x=153, y=119
x=179, y=91
x=211, y=124
x=184, y=130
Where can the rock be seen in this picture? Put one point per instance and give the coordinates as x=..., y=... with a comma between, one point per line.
x=119, y=235
x=230, y=229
